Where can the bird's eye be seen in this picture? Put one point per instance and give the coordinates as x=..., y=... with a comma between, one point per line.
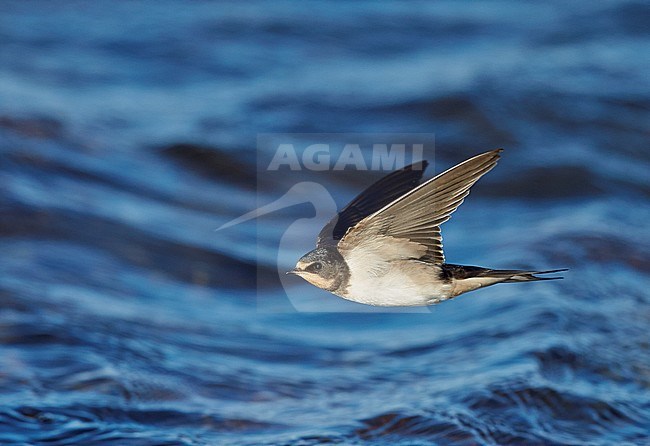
x=316, y=266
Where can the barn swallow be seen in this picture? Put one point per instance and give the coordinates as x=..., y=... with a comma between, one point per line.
x=385, y=248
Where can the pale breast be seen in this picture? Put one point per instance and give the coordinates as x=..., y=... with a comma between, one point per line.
x=396, y=283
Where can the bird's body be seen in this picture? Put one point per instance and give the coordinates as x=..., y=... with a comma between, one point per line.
x=402, y=283
x=385, y=247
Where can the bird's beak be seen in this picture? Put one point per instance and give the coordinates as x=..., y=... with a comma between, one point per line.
x=293, y=271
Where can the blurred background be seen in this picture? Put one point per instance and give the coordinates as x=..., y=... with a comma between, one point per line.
x=128, y=134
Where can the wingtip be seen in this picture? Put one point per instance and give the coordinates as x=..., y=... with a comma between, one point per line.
x=491, y=156
x=495, y=155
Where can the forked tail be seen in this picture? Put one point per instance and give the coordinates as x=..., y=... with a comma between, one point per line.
x=527, y=276
x=460, y=272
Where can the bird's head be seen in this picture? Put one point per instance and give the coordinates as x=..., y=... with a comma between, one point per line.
x=323, y=267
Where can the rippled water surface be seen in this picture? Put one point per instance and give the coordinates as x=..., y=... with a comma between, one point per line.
x=128, y=134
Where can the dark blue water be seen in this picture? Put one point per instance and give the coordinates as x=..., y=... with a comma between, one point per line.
x=128, y=134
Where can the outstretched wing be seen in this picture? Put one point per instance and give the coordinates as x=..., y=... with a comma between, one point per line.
x=411, y=223
x=375, y=197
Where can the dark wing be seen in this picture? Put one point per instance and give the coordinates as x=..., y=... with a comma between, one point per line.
x=416, y=216
x=375, y=197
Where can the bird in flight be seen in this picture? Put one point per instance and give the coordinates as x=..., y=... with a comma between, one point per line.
x=385, y=249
